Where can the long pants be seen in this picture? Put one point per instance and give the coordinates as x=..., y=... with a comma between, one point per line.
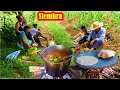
x=39, y=34
x=96, y=44
x=37, y=40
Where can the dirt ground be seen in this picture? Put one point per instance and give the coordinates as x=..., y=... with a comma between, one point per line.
x=46, y=33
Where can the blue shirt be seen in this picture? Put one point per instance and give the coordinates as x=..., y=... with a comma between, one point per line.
x=99, y=36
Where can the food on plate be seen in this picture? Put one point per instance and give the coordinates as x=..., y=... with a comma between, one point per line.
x=106, y=54
x=86, y=60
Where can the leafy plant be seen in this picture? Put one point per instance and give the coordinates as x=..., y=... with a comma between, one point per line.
x=9, y=69
x=60, y=35
x=8, y=35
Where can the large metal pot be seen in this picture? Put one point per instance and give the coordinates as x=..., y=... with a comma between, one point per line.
x=56, y=69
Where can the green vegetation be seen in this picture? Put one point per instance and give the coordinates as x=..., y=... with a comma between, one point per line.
x=60, y=35
x=8, y=44
x=36, y=59
x=15, y=69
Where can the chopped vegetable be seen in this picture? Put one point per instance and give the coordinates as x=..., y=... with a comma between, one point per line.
x=54, y=59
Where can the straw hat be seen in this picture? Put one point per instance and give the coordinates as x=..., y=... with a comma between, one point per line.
x=96, y=25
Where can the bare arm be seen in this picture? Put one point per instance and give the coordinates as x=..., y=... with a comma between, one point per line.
x=33, y=39
x=17, y=27
x=23, y=40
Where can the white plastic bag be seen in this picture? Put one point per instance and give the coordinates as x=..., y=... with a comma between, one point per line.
x=106, y=54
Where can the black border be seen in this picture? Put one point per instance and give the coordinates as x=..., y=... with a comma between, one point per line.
x=61, y=84
x=60, y=5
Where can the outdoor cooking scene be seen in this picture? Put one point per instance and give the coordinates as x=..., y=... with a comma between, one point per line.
x=85, y=45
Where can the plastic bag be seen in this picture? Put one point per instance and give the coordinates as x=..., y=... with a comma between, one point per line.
x=106, y=54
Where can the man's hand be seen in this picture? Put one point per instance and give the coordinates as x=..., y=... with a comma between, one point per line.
x=92, y=42
x=86, y=44
x=40, y=32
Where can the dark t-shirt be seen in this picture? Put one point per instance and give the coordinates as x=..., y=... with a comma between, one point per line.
x=29, y=36
x=87, y=32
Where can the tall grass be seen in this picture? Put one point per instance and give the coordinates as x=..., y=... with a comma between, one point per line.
x=14, y=69
x=60, y=35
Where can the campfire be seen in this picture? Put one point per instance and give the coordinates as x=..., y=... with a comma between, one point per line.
x=41, y=73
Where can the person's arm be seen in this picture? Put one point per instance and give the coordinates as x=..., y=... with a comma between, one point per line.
x=17, y=27
x=89, y=36
x=101, y=35
x=40, y=32
x=23, y=40
x=22, y=36
x=32, y=37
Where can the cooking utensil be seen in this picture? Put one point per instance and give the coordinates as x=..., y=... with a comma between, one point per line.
x=68, y=56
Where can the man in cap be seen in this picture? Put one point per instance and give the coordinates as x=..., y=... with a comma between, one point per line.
x=96, y=37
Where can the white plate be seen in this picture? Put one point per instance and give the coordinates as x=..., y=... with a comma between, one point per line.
x=86, y=60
